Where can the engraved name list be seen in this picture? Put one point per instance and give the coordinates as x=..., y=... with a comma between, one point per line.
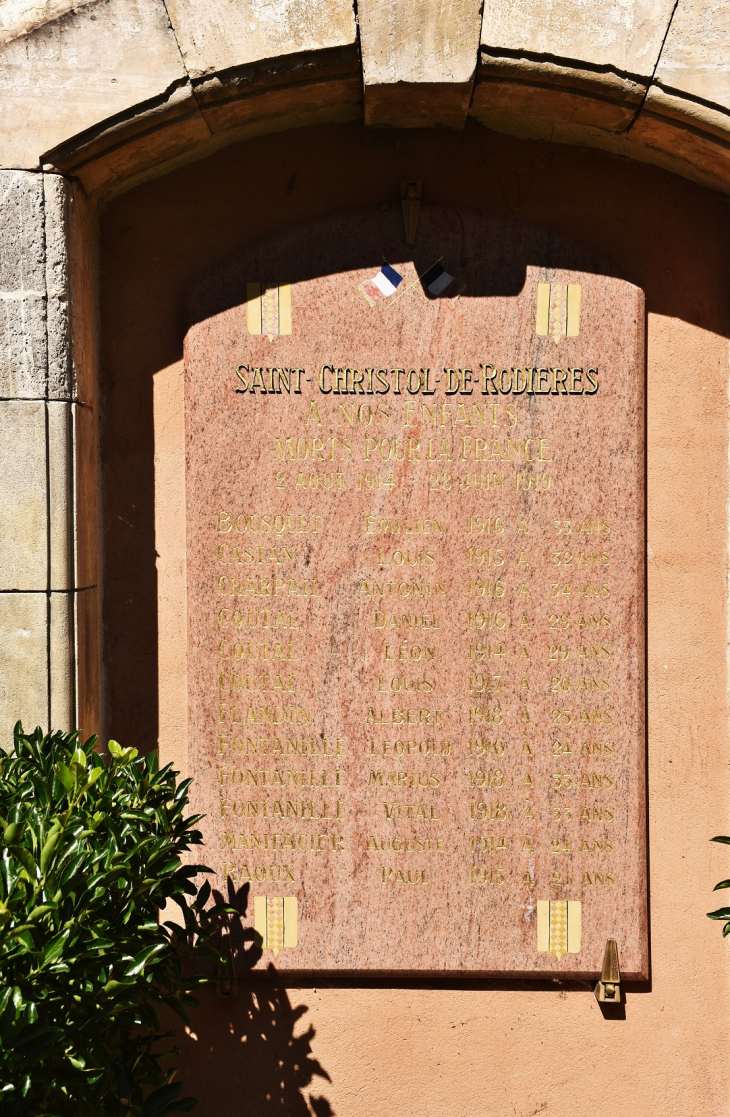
x=415, y=603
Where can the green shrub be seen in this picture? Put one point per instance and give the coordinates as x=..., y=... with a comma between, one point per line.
x=91, y=851
x=721, y=913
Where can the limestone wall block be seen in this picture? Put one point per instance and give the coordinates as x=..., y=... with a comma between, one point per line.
x=23, y=498
x=23, y=354
x=23, y=349
x=61, y=660
x=67, y=75
x=23, y=662
x=220, y=34
x=22, y=242
x=60, y=495
x=696, y=55
x=56, y=193
x=35, y=354
x=625, y=35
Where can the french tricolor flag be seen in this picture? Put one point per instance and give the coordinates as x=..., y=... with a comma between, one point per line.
x=439, y=284
x=385, y=283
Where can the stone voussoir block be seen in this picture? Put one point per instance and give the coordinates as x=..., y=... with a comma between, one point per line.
x=419, y=61
x=220, y=34
x=695, y=59
x=80, y=67
x=626, y=38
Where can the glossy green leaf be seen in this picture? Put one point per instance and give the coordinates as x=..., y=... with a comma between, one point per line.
x=40, y=911
x=65, y=777
x=11, y=833
x=94, y=775
x=50, y=844
x=82, y=953
x=144, y=956
x=54, y=949
x=27, y=860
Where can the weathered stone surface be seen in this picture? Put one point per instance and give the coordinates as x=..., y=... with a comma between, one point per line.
x=57, y=191
x=61, y=659
x=415, y=601
x=89, y=64
x=696, y=54
x=23, y=353
x=418, y=60
x=157, y=135
x=60, y=468
x=23, y=358
x=19, y=17
x=23, y=661
x=315, y=88
x=101, y=85
x=238, y=104
x=684, y=136
x=626, y=36
x=417, y=105
x=543, y=100
x=36, y=350
x=220, y=34
x=23, y=500
x=22, y=244
x=418, y=42
x=36, y=534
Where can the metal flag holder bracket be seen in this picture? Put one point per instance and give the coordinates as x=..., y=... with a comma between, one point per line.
x=608, y=986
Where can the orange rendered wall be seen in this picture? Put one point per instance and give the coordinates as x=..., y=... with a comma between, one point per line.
x=486, y=1048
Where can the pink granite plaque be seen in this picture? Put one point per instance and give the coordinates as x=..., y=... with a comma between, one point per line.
x=415, y=517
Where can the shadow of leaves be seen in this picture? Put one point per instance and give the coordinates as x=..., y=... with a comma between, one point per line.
x=245, y=1054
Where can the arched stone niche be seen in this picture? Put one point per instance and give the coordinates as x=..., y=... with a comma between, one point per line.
x=668, y=238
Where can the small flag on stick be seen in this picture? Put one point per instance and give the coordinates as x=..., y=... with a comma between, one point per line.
x=382, y=285
x=441, y=285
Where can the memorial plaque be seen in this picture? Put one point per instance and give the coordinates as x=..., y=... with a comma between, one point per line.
x=415, y=563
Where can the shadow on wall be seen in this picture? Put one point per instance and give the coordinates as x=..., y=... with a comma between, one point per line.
x=250, y=1054
x=664, y=233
